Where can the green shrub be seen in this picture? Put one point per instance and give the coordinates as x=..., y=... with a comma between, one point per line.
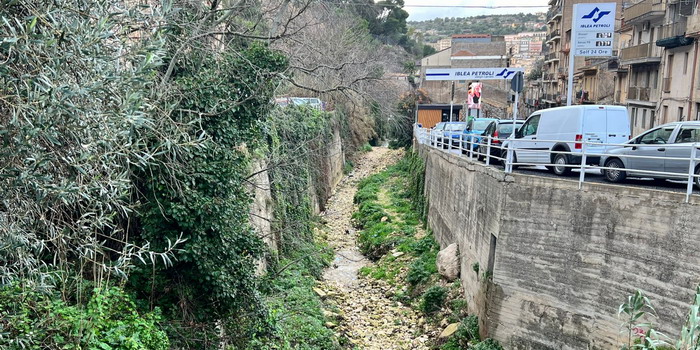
x=348, y=166
x=369, y=214
x=377, y=240
x=466, y=335
x=433, y=299
x=423, y=268
x=488, y=344
x=366, y=148
x=110, y=320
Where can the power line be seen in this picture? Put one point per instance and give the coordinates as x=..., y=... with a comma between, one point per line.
x=480, y=7
x=492, y=7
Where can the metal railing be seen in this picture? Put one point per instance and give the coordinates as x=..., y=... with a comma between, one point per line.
x=639, y=52
x=644, y=8
x=491, y=150
x=673, y=29
x=554, y=34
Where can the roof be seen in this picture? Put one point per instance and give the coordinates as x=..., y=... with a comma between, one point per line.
x=462, y=36
x=463, y=53
x=438, y=106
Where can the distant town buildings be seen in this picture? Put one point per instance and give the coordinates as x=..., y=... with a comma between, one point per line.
x=442, y=44
x=469, y=51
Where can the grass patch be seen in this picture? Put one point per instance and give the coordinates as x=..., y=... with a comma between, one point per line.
x=366, y=148
x=295, y=309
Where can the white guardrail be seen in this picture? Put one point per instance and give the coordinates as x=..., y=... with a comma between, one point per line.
x=495, y=152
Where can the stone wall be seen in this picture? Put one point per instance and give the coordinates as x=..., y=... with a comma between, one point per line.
x=261, y=210
x=564, y=259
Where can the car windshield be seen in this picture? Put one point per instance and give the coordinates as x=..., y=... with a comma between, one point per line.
x=455, y=127
x=507, y=128
x=481, y=124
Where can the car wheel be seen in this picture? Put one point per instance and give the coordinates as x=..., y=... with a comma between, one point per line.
x=515, y=160
x=560, y=162
x=616, y=174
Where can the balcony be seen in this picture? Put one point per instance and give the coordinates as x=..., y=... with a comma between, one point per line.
x=644, y=11
x=642, y=94
x=554, y=14
x=551, y=57
x=555, y=35
x=693, y=26
x=644, y=53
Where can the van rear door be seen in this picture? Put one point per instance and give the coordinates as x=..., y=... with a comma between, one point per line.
x=618, y=127
x=594, y=128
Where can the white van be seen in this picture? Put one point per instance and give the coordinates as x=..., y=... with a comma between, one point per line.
x=563, y=129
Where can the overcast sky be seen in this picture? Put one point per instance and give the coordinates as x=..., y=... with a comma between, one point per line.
x=423, y=13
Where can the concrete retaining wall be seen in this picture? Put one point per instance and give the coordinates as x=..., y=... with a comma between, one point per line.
x=564, y=259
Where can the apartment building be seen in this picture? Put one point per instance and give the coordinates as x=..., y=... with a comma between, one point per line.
x=525, y=45
x=557, y=50
x=658, y=80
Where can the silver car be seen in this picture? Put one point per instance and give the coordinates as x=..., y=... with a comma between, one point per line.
x=672, y=142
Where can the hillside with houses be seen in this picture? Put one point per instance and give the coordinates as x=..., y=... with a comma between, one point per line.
x=438, y=28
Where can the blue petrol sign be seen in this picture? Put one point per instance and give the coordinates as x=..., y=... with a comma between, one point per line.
x=471, y=73
x=594, y=29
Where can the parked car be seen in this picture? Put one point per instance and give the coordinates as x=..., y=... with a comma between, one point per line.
x=673, y=142
x=562, y=129
x=475, y=127
x=446, y=132
x=499, y=131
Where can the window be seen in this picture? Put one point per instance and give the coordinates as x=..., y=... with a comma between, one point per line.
x=530, y=127
x=658, y=136
x=647, y=80
x=680, y=114
x=644, y=118
x=685, y=64
x=633, y=116
x=669, y=67
x=689, y=134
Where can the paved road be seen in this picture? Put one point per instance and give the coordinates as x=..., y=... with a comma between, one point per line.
x=594, y=175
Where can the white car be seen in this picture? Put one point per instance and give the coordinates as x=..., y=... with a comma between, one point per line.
x=563, y=129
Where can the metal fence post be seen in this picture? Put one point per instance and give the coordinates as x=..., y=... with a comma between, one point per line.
x=488, y=150
x=691, y=172
x=509, y=160
x=461, y=143
x=471, y=147
x=449, y=144
x=582, y=176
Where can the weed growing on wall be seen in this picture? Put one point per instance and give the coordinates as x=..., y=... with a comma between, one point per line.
x=637, y=313
x=297, y=139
